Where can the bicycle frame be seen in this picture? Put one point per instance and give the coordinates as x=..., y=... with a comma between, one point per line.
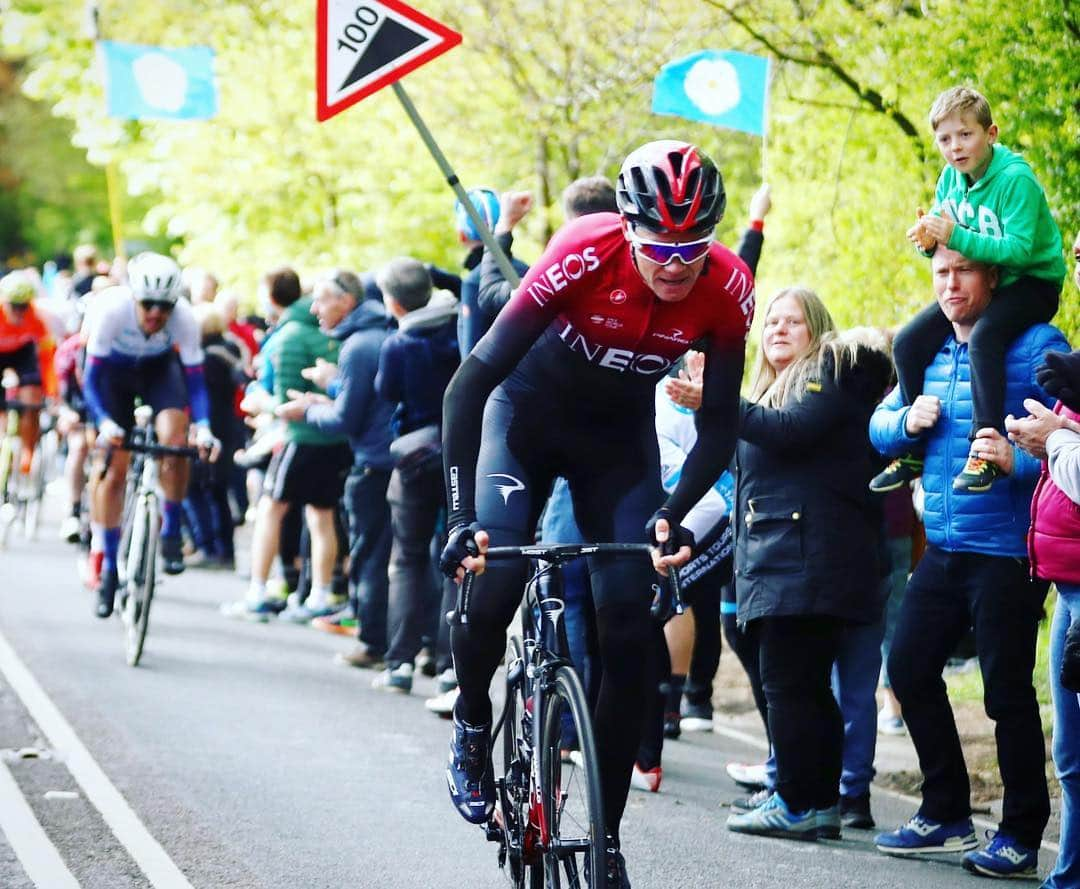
x=136, y=565
x=538, y=673
x=140, y=493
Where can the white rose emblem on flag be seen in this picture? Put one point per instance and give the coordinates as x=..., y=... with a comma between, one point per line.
x=162, y=82
x=713, y=85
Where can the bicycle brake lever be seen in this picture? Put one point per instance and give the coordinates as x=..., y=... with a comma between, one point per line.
x=459, y=616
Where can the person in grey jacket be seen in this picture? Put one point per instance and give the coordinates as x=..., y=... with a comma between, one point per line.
x=359, y=412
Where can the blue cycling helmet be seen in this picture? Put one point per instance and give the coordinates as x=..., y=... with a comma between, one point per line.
x=486, y=202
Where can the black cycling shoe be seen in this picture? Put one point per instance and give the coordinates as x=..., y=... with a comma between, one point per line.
x=107, y=593
x=469, y=773
x=615, y=876
x=172, y=555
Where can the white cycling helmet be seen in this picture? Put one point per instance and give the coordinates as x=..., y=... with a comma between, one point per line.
x=152, y=276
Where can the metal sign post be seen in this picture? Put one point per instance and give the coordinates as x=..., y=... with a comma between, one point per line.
x=451, y=177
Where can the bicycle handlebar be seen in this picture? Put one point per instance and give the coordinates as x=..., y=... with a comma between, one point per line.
x=670, y=599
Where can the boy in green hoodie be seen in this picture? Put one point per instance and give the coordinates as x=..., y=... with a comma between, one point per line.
x=990, y=207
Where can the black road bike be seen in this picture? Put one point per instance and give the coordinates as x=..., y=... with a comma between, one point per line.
x=549, y=817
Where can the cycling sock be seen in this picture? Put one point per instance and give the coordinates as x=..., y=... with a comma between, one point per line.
x=97, y=537
x=76, y=509
x=170, y=518
x=112, y=548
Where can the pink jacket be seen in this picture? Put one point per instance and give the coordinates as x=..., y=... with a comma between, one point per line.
x=1054, y=538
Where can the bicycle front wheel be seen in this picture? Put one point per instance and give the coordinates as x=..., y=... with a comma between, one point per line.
x=141, y=584
x=570, y=790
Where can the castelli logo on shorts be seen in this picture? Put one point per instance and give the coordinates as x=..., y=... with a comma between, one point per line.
x=559, y=275
x=618, y=297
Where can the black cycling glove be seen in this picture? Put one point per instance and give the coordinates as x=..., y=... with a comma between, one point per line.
x=1060, y=377
x=678, y=536
x=460, y=543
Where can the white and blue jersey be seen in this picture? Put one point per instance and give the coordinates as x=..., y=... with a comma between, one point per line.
x=123, y=362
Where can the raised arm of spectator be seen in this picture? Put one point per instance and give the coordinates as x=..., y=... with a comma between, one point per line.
x=495, y=290
x=801, y=423
x=441, y=279
x=752, y=240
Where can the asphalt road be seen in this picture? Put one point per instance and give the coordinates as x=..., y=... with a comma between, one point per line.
x=257, y=763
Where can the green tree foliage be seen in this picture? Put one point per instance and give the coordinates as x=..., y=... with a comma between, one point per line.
x=852, y=152
x=50, y=197
x=542, y=91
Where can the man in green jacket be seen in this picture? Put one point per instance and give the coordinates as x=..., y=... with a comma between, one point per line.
x=311, y=467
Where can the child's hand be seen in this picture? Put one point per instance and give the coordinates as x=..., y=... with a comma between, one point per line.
x=940, y=228
x=918, y=234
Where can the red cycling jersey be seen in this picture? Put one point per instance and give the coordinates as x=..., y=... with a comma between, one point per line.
x=584, y=328
x=587, y=293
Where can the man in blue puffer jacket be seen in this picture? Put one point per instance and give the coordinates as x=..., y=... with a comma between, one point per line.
x=974, y=573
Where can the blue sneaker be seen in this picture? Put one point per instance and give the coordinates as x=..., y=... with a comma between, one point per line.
x=828, y=822
x=921, y=836
x=469, y=772
x=774, y=819
x=1004, y=857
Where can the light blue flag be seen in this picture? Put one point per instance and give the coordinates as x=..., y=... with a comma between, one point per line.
x=728, y=89
x=153, y=82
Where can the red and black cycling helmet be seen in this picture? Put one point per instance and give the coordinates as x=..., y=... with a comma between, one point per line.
x=670, y=186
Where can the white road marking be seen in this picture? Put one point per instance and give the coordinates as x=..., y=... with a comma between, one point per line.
x=39, y=857
x=147, y=852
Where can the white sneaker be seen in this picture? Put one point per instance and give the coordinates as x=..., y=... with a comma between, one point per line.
x=70, y=529
x=890, y=725
x=447, y=680
x=398, y=680
x=745, y=775
x=442, y=705
x=648, y=781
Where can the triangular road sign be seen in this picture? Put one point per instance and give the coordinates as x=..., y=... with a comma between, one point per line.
x=363, y=45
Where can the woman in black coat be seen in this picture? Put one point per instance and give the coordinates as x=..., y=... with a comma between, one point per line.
x=806, y=545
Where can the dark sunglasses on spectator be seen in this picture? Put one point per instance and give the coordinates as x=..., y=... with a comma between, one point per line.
x=662, y=254
x=151, y=304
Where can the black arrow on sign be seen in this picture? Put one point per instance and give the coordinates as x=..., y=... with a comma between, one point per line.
x=392, y=40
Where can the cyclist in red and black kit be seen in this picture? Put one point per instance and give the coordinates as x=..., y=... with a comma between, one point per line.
x=570, y=365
